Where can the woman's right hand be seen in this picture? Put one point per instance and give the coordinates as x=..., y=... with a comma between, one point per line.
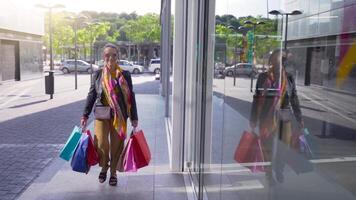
x=83, y=122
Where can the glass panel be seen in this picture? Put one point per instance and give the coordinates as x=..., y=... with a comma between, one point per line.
x=171, y=61
x=325, y=5
x=293, y=134
x=312, y=28
x=324, y=23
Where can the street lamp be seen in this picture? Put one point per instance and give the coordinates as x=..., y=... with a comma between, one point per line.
x=279, y=12
x=50, y=8
x=75, y=19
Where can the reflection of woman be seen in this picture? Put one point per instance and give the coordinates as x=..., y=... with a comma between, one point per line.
x=112, y=94
x=274, y=103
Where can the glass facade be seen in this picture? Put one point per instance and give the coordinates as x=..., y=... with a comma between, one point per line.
x=255, y=122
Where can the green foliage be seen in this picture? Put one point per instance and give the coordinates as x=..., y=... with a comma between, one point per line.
x=110, y=27
x=145, y=28
x=266, y=37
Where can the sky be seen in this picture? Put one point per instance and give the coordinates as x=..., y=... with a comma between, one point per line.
x=240, y=8
x=116, y=6
x=234, y=7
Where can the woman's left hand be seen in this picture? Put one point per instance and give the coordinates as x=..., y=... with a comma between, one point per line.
x=134, y=123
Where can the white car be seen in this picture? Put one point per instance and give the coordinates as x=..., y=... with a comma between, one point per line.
x=126, y=65
x=155, y=66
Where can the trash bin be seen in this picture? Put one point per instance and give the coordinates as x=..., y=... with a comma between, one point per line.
x=49, y=83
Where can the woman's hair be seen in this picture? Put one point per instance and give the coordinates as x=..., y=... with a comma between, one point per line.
x=110, y=45
x=273, y=54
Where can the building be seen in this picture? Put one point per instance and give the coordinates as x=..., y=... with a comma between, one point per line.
x=323, y=38
x=206, y=117
x=21, y=31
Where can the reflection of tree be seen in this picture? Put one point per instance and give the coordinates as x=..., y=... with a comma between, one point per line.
x=265, y=34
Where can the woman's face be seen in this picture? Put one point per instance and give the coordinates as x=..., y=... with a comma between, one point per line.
x=110, y=56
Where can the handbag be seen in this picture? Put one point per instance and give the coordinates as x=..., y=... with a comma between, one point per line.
x=102, y=112
x=72, y=142
x=285, y=114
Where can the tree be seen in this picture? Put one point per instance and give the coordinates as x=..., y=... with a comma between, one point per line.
x=144, y=29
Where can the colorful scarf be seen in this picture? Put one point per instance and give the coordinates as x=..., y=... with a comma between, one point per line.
x=111, y=88
x=270, y=124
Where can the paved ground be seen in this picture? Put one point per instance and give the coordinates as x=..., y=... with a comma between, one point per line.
x=34, y=128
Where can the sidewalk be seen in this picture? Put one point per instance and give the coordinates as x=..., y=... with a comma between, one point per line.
x=34, y=128
x=58, y=181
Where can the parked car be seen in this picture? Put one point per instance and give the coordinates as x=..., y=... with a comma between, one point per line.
x=126, y=65
x=241, y=69
x=68, y=66
x=155, y=66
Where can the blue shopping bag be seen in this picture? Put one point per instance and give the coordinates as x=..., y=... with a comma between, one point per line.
x=72, y=142
x=306, y=143
x=79, y=160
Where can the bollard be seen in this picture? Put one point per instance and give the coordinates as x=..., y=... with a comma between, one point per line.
x=49, y=84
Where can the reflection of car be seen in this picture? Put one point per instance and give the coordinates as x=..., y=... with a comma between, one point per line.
x=100, y=63
x=82, y=66
x=155, y=66
x=241, y=69
x=126, y=65
x=219, y=70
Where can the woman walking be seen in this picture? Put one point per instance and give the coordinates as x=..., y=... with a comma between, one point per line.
x=111, y=94
x=274, y=104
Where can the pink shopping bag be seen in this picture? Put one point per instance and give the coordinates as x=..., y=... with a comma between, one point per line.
x=258, y=165
x=129, y=160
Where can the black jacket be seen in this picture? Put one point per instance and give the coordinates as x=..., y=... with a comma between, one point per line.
x=95, y=95
x=290, y=100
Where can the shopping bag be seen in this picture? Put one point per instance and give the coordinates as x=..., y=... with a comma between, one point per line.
x=246, y=150
x=129, y=160
x=79, y=159
x=307, y=138
x=305, y=147
x=92, y=155
x=123, y=155
x=72, y=142
x=258, y=165
x=142, y=154
x=297, y=162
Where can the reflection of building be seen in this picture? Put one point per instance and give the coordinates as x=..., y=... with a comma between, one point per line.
x=322, y=40
x=21, y=31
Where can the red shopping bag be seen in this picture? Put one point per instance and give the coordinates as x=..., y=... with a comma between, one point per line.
x=141, y=150
x=246, y=150
x=92, y=155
